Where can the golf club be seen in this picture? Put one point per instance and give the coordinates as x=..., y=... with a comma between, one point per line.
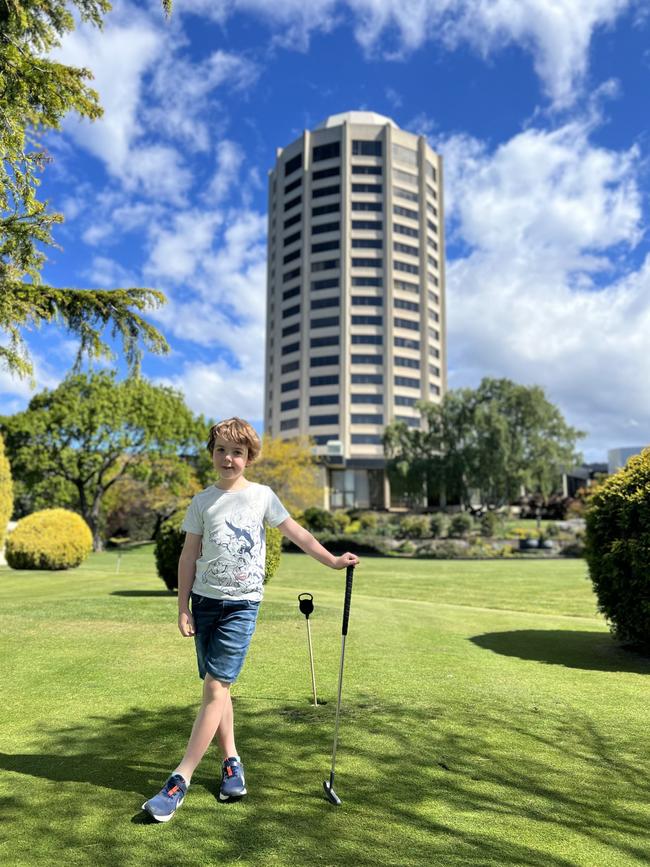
x=306, y=604
x=328, y=785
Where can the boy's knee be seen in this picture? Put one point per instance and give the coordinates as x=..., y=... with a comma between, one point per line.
x=215, y=688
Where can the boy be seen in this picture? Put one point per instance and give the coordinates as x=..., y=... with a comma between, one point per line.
x=221, y=569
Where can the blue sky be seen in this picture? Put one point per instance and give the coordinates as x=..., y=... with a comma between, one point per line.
x=538, y=107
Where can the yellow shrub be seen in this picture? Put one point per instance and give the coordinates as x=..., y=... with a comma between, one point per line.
x=6, y=492
x=51, y=539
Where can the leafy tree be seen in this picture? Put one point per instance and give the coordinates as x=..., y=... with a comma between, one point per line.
x=36, y=93
x=91, y=432
x=496, y=439
x=289, y=468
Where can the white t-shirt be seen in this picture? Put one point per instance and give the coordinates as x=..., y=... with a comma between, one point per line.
x=233, y=551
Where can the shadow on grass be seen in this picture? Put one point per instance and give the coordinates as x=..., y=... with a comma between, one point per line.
x=418, y=787
x=586, y=650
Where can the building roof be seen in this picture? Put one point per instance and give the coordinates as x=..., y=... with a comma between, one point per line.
x=366, y=117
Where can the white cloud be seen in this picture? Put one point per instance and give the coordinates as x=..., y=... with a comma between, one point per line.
x=216, y=390
x=539, y=297
x=557, y=33
x=230, y=158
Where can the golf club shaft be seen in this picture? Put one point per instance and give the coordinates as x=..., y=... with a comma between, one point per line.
x=311, y=663
x=338, y=708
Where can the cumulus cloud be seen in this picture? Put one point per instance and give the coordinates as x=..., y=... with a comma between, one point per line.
x=540, y=295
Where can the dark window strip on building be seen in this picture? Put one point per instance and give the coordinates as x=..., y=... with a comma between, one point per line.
x=367, y=320
x=366, y=439
x=406, y=305
x=332, y=379
x=289, y=275
x=367, y=263
x=406, y=267
x=374, y=339
x=326, y=152
x=320, y=303
x=327, y=322
x=289, y=348
x=367, y=359
x=334, y=208
x=291, y=257
x=366, y=170
x=367, y=206
x=291, y=239
x=369, y=300
x=290, y=386
x=367, y=379
x=406, y=323
x=321, y=192
x=324, y=341
x=405, y=230
x=293, y=186
x=434, y=351
x=370, y=225
x=367, y=188
x=325, y=265
x=291, y=221
x=399, y=211
x=405, y=401
x=286, y=405
x=290, y=311
x=368, y=281
x=291, y=293
x=289, y=424
x=291, y=329
x=367, y=243
x=292, y=203
x=323, y=399
x=323, y=360
x=407, y=382
x=367, y=398
x=409, y=420
x=332, y=283
x=325, y=246
x=405, y=286
x=405, y=343
x=290, y=366
x=366, y=418
x=362, y=148
x=407, y=362
x=317, y=420
x=292, y=165
x=406, y=249
x=321, y=228
x=326, y=173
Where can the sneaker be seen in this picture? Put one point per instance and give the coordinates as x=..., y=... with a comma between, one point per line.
x=233, y=784
x=163, y=805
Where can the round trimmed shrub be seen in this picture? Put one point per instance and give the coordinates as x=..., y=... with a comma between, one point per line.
x=319, y=520
x=171, y=539
x=368, y=521
x=414, y=527
x=460, y=525
x=6, y=492
x=437, y=525
x=489, y=524
x=51, y=539
x=341, y=521
x=618, y=551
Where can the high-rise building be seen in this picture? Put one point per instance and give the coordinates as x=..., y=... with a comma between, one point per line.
x=356, y=294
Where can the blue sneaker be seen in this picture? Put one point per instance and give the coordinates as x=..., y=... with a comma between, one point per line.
x=163, y=805
x=233, y=784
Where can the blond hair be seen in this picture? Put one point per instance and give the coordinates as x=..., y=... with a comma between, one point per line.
x=236, y=430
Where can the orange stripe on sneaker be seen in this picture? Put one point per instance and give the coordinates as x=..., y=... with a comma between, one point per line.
x=173, y=791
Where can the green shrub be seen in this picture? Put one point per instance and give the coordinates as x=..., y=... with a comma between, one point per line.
x=437, y=525
x=368, y=521
x=489, y=524
x=353, y=527
x=341, y=521
x=445, y=550
x=50, y=539
x=618, y=550
x=414, y=527
x=460, y=525
x=6, y=492
x=405, y=547
x=319, y=520
x=171, y=539
x=360, y=543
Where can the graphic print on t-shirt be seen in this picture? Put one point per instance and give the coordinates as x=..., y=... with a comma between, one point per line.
x=238, y=541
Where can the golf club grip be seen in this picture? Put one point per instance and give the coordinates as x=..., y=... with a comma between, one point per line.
x=348, y=595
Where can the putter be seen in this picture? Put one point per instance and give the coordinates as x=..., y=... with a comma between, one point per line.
x=328, y=785
x=306, y=604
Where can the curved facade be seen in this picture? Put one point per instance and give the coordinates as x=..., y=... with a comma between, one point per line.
x=356, y=294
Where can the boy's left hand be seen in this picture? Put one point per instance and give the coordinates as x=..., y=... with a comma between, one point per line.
x=345, y=560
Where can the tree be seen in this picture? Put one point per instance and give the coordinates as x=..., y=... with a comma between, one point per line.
x=288, y=467
x=91, y=432
x=35, y=95
x=496, y=439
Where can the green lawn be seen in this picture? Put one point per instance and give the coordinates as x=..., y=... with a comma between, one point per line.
x=488, y=719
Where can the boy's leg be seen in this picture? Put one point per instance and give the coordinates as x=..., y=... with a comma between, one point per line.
x=216, y=698
x=226, y=731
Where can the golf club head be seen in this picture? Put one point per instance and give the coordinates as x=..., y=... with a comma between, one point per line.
x=331, y=795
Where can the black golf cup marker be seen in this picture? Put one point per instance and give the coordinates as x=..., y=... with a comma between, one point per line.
x=306, y=605
x=328, y=785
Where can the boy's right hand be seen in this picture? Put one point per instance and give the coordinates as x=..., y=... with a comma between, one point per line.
x=186, y=623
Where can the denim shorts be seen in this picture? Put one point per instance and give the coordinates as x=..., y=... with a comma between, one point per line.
x=223, y=631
